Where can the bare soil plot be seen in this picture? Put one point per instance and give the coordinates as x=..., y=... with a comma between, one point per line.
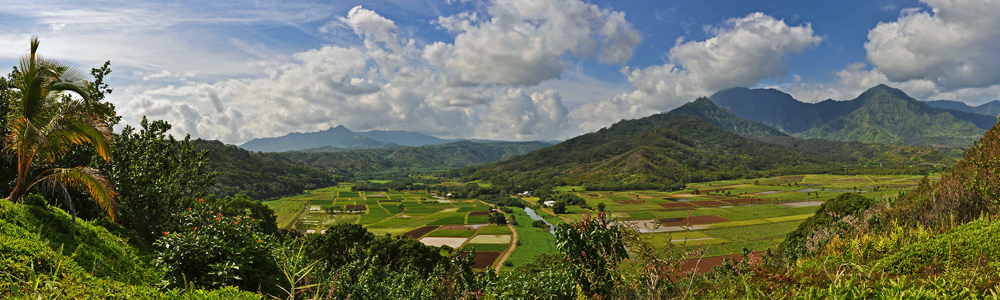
x=676, y=205
x=742, y=201
x=681, y=196
x=710, y=203
x=479, y=213
x=485, y=259
x=419, y=232
x=454, y=242
x=626, y=202
x=355, y=207
x=645, y=197
x=702, y=266
x=647, y=226
x=693, y=220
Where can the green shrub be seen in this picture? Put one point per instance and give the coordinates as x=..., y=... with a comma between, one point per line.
x=211, y=250
x=825, y=220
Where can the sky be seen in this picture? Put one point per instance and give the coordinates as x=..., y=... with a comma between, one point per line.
x=504, y=69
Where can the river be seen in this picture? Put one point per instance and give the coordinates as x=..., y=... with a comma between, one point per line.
x=531, y=214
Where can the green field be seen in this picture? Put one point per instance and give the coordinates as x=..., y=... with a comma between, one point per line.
x=756, y=213
x=533, y=240
x=734, y=214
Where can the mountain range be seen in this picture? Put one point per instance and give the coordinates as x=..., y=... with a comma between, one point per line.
x=423, y=158
x=991, y=108
x=337, y=139
x=879, y=115
x=695, y=142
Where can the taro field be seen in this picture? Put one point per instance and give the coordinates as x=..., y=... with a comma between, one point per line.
x=720, y=218
x=456, y=223
x=723, y=217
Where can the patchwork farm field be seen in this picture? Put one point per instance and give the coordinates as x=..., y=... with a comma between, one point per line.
x=720, y=218
x=457, y=223
x=723, y=217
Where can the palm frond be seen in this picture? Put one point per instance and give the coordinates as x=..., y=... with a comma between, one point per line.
x=67, y=129
x=97, y=186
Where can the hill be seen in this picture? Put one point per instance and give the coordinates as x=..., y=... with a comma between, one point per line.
x=887, y=115
x=436, y=157
x=723, y=118
x=991, y=108
x=779, y=110
x=879, y=115
x=660, y=149
x=404, y=138
x=339, y=136
x=683, y=146
x=259, y=175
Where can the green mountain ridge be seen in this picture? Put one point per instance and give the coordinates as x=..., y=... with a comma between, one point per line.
x=887, y=115
x=879, y=115
x=434, y=157
x=662, y=148
x=683, y=146
x=991, y=108
x=723, y=118
x=339, y=136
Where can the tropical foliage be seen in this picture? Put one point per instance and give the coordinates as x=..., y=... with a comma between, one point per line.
x=45, y=123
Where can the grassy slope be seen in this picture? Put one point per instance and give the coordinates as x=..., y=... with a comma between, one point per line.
x=35, y=248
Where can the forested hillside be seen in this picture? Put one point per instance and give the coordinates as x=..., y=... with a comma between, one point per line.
x=879, y=115
x=889, y=116
x=665, y=149
x=339, y=137
x=723, y=118
x=661, y=149
x=260, y=176
x=406, y=159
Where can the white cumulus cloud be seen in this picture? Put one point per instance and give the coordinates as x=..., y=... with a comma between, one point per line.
x=742, y=52
x=955, y=46
x=477, y=86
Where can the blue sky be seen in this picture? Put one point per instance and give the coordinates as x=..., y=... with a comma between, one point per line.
x=502, y=69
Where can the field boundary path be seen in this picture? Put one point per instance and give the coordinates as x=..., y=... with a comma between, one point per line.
x=568, y=220
x=298, y=218
x=513, y=244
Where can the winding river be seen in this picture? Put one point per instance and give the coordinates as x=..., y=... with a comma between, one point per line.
x=531, y=214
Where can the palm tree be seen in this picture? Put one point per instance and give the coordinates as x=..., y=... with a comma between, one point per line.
x=45, y=123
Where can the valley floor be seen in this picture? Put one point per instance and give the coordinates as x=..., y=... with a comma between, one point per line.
x=717, y=219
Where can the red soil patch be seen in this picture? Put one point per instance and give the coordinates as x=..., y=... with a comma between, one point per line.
x=693, y=220
x=706, y=264
x=710, y=203
x=380, y=201
x=479, y=213
x=419, y=232
x=627, y=201
x=676, y=205
x=355, y=207
x=484, y=259
x=742, y=201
